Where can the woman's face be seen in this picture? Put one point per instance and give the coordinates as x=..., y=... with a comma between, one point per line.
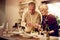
x=43, y=10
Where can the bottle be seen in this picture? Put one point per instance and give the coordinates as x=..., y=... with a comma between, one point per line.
x=46, y=32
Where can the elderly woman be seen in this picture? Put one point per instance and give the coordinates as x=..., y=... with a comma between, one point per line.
x=48, y=19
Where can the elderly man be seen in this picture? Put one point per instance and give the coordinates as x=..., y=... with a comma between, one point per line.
x=32, y=18
x=48, y=19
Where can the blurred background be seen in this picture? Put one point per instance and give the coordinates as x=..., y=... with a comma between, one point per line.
x=11, y=11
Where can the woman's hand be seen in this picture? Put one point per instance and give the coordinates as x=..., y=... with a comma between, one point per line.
x=52, y=31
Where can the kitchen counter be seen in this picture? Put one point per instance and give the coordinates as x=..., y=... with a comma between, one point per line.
x=19, y=37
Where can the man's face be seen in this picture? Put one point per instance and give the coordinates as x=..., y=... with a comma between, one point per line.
x=31, y=8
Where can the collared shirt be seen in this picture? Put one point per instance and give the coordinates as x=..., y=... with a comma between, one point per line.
x=32, y=18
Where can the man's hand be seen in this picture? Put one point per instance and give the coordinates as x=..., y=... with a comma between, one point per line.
x=34, y=25
x=30, y=25
x=37, y=26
